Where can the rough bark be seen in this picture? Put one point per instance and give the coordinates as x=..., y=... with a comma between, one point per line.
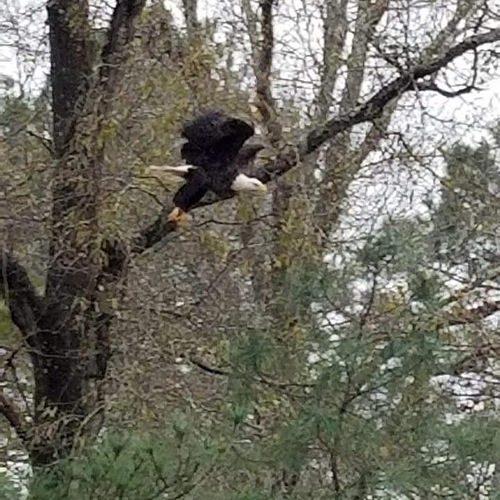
x=190, y=9
x=61, y=326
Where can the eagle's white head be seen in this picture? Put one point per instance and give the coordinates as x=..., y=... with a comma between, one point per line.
x=245, y=183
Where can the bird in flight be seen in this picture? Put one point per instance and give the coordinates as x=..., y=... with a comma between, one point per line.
x=215, y=153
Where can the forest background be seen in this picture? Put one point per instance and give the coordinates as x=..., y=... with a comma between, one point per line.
x=336, y=339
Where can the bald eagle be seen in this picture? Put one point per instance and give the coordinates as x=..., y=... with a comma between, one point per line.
x=215, y=153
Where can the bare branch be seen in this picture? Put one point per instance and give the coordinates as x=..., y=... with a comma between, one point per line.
x=369, y=111
x=263, y=66
x=334, y=34
x=47, y=144
x=433, y=87
x=373, y=107
x=468, y=316
x=209, y=369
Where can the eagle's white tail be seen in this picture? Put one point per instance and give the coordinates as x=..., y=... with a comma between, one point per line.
x=180, y=170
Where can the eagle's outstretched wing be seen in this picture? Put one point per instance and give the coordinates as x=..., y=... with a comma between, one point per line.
x=214, y=140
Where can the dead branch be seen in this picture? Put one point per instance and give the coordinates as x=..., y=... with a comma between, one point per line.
x=369, y=111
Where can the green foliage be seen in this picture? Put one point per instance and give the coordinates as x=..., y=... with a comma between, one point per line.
x=380, y=427
x=469, y=210
x=8, y=491
x=390, y=246
x=302, y=284
x=6, y=328
x=130, y=466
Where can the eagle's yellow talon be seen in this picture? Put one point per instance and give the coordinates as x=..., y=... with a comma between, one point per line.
x=177, y=215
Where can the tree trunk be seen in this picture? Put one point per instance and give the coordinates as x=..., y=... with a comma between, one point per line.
x=68, y=334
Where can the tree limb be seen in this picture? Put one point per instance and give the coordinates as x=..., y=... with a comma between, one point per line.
x=374, y=106
x=369, y=111
x=434, y=87
x=335, y=27
x=19, y=295
x=190, y=10
x=468, y=316
x=120, y=32
x=263, y=65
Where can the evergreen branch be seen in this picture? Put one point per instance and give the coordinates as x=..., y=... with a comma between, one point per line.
x=369, y=111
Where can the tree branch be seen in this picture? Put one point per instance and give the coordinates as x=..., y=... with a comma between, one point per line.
x=190, y=10
x=369, y=111
x=434, y=87
x=263, y=65
x=373, y=107
x=334, y=34
x=120, y=32
x=19, y=295
x=468, y=316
